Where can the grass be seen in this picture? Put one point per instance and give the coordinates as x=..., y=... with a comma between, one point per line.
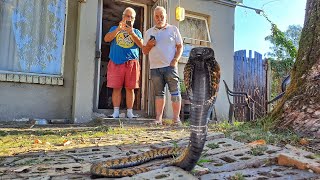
x=202, y=161
x=213, y=146
x=237, y=176
x=251, y=131
x=258, y=150
x=22, y=140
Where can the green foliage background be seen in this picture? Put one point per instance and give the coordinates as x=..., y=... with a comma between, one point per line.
x=283, y=53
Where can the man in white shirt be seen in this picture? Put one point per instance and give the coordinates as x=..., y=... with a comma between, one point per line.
x=164, y=45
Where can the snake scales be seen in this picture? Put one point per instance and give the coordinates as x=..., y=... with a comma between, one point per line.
x=202, y=77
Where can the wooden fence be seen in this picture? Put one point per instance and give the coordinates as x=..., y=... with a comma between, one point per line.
x=250, y=75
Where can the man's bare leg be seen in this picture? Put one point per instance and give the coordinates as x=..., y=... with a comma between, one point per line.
x=130, y=102
x=159, y=102
x=176, y=107
x=116, y=100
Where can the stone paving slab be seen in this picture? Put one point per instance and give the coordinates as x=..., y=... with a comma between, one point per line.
x=261, y=173
x=167, y=173
x=240, y=158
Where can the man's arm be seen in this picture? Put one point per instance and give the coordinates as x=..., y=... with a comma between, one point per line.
x=111, y=35
x=136, y=39
x=177, y=55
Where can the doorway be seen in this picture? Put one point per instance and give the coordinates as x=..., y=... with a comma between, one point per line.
x=111, y=16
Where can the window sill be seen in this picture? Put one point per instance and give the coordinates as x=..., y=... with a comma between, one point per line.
x=32, y=79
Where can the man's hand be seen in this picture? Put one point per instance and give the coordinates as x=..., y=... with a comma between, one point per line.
x=174, y=62
x=151, y=43
x=122, y=25
x=128, y=29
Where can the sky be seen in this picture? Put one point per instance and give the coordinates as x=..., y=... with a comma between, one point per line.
x=251, y=28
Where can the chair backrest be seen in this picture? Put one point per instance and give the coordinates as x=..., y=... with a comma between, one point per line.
x=227, y=91
x=285, y=83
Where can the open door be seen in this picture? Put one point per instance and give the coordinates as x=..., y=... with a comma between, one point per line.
x=111, y=16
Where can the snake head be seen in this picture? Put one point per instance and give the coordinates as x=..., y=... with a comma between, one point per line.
x=203, y=59
x=200, y=54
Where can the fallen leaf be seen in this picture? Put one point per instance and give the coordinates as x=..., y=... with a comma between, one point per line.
x=66, y=142
x=37, y=141
x=303, y=141
x=258, y=142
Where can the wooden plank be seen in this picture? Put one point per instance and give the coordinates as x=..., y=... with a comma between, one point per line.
x=235, y=66
x=236, y=75
x=264, y=89
x=250, y=78
x=261, y=84
x=258, y=84
x=244, y=82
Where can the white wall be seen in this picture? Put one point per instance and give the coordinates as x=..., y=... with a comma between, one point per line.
x=85, y=62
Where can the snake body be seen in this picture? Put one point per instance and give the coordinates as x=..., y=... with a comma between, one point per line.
x=202, y=77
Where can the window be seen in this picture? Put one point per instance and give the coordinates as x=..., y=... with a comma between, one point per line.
x=32, y=37
x=195, y=32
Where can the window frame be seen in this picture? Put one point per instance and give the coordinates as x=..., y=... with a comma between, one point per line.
x=201, y=17
x=197, y=42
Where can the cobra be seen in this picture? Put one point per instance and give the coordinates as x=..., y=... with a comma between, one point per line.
x=202, y=78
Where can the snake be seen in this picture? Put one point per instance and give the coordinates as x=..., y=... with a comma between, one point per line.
x=201, y=78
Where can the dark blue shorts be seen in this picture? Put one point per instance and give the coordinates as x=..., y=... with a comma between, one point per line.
x=162, y=76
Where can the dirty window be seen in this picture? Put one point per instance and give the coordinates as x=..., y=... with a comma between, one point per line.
x=32, y=36
x=195, y=32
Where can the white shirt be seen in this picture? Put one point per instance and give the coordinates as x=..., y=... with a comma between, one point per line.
x=163, y=52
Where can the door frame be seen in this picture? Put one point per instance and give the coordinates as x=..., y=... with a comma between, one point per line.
x=144, y=71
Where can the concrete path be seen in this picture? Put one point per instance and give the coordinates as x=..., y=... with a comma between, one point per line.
x=223, y=158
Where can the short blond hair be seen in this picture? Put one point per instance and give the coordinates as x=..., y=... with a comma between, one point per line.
x=129, y=9
x=160, y=8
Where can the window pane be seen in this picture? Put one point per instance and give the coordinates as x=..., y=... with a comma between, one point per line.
x=32, y=33
x=194, y=32
x=186, y=50
x=194, y=28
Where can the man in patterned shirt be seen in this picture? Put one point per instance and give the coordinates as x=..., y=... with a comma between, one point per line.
x=123, y=67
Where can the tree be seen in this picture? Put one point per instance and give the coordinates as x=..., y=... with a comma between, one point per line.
x=299, y=109
x=280, y=59
x=278, y=51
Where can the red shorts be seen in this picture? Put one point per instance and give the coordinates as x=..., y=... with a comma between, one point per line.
x=123, y=75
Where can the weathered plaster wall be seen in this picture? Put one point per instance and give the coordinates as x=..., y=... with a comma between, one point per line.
x=21, y=100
